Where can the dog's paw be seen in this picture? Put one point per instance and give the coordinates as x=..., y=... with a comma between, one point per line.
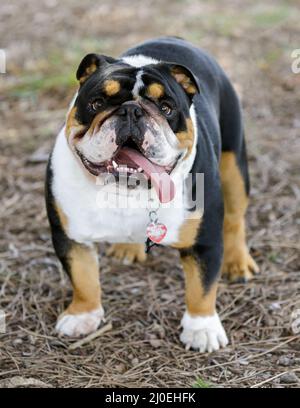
x=75, y=325
x=205, y=334
x=238, y=265
x=127, y=253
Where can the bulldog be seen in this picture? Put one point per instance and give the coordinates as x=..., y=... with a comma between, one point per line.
x=144, y=125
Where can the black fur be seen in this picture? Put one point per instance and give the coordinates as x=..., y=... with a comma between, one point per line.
x=219, y=123
x=93, y=88
x=61, y=243
x=220, y=128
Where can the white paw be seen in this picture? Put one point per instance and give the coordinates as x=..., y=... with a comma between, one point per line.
x=203, y=333
x=76, y=325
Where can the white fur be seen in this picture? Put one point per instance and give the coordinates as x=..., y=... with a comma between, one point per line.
x=79, y=197
x=138, y=83
x=203, y=333
x=72, y=102
x=190, y=160
x=139, y=60
x=80, y=324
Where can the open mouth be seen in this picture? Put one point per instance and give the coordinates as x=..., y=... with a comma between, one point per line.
x=130, y=162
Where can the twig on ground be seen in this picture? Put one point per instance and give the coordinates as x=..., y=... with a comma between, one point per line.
x=91, y=337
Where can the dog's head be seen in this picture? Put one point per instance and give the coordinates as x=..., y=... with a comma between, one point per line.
x=131, y=119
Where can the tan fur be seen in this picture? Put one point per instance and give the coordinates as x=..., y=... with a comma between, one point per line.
x=89, y=70
x=198, y=301
x=188, y=231
x=99, y=119
x=111, y=87
x=72, y=123
x=128, y=253
x=237, y=262
x=84, y=271
x=62, y=217
x=186, y=137
x=183, y=80
x=155, y=90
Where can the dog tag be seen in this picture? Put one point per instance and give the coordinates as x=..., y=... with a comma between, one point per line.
x=156, y=232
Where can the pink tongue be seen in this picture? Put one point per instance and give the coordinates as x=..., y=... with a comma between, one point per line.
x=161, y=180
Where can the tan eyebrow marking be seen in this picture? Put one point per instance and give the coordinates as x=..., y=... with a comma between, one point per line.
x=111, y=87
x=155, y=90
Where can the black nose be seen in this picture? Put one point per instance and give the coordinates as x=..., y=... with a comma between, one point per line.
x=130, y=110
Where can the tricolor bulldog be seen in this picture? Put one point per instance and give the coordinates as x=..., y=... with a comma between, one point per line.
x=155, y=117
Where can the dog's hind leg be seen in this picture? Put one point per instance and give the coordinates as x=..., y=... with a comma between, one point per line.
x=127, y=253
x=238, y=265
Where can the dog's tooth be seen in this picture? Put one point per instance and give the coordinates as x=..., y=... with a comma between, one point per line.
x=139, y=169
x=114, y=164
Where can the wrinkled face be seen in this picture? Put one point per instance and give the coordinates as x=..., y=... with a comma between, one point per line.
x=133, y=120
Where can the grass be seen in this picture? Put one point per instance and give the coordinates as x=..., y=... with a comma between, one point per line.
x=57, y=71
x=200, y=383
x=41, y=83
x=266, y=16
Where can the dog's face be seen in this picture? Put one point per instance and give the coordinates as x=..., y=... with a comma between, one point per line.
x=131, y=119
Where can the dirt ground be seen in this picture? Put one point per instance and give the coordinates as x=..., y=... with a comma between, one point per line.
x=45, y=40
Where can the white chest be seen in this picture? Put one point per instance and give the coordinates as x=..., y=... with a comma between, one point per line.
x=118, y=226
x=90, y=219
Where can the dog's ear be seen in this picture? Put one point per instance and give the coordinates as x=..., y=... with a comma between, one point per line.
x=185, y=78
x=89, y=64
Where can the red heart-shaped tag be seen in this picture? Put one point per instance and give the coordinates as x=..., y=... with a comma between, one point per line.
x=156, y=231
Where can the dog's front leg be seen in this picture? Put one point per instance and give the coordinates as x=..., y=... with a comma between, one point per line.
x=85, y=312
x=80, y=262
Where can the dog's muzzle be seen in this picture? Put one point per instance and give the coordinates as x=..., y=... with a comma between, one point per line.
x=130, y=124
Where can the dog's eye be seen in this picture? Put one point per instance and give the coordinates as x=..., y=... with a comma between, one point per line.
x=96, y=105
x=166, y=109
